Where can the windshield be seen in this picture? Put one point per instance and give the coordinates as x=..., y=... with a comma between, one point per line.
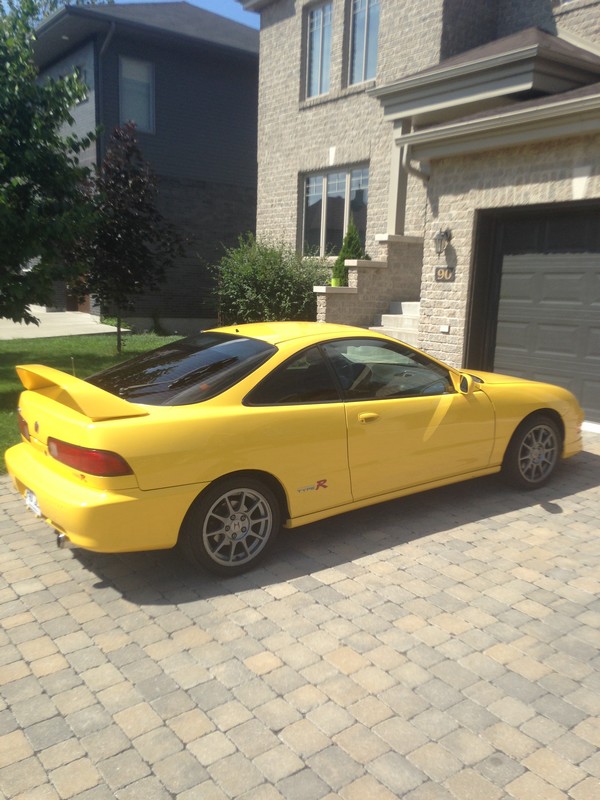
x=187, y=371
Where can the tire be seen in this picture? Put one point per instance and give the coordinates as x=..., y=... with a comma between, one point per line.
x=533, y=453
x=231, y=526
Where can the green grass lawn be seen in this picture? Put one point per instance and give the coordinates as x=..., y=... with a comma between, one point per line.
x=81, y=355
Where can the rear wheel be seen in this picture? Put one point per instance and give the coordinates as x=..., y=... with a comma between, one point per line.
x=533, y=453
x=231, y=526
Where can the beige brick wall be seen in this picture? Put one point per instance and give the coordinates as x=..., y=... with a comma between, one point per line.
x=343, y=128
x=545, y=173
x=346, y=127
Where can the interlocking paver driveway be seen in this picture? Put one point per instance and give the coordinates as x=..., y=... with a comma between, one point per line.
x=440, y=646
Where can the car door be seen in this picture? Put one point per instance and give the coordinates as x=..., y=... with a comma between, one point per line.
x=407, y=424
x=299, y=433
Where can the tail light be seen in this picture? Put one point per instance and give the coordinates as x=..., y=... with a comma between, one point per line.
x=85, y=459
x=23, y=426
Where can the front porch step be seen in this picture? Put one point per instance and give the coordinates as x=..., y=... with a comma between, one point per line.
x=401, y=322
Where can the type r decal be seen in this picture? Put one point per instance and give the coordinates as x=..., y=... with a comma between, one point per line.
x=322, y=484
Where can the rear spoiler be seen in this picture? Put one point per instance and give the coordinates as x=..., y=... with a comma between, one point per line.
x=81, y=396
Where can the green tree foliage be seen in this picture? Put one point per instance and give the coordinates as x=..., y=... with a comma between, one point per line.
x=263, y=281
x=132, y=244
x=41, y=202
x=351, y=248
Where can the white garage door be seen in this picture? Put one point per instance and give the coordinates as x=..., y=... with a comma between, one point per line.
x=549, y=323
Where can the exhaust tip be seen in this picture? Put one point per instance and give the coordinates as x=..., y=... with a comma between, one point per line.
x=62, y=540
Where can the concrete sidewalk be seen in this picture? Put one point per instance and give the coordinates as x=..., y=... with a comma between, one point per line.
x=440, y=647
x=54, y=323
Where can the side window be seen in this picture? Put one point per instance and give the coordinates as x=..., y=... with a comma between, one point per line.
x=330, y=201
x=305, y=378
x=318, y=50
x=372, y=370
x=136, y=87
x=363, y=40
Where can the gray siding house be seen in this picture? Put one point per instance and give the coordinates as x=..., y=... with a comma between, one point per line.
x=474, y=120
x=189, y=79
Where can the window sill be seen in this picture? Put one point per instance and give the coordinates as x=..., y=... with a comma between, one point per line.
x=335, y=290
x=341, y=94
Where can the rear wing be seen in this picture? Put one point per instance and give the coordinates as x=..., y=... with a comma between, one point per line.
x=77, y=394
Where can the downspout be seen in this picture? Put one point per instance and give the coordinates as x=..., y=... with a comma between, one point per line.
x=423, y=172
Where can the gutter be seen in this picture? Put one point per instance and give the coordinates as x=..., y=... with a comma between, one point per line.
x=550, y=112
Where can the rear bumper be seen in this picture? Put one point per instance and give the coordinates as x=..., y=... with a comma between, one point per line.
x=98, y=519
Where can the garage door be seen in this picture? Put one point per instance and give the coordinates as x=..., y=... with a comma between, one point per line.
x=549, y=322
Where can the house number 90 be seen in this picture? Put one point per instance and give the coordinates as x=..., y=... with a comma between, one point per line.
x=444, y=275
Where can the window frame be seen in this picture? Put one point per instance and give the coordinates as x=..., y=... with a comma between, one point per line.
x=326, y=9
x=325, y=176
x=364, y=77
x=124, y=117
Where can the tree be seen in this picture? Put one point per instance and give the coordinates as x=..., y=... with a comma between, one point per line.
x=42, y=207
x=351, y=248
x=132, y=244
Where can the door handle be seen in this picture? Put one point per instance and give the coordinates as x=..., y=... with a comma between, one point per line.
x=368, y=416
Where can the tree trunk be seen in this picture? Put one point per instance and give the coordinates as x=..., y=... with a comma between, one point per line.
x=119, y=337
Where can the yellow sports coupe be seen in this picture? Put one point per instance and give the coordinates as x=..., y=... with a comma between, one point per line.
x=212, y=442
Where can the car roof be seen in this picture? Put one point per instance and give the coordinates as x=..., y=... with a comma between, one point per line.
x=279, y=332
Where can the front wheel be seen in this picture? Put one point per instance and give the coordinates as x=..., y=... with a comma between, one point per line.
x=231, y=525
x=533, y=453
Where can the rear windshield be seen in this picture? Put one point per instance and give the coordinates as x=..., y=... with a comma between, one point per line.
x=187, y=371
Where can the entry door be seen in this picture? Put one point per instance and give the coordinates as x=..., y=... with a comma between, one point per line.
x=549, y=322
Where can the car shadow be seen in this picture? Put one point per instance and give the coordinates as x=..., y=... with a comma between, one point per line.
x=165, y=578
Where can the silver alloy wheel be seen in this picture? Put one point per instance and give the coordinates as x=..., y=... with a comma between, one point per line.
x=538, y=453
x=237, y=526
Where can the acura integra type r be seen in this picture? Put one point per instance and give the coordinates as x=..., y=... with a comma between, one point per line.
x=215, y=440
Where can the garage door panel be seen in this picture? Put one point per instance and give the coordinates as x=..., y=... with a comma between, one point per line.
x=563, y=288
x=548, y=322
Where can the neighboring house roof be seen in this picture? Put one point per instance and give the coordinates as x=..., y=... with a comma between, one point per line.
x=178, y=21
x=255, y=5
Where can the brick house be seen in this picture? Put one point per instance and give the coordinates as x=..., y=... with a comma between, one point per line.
x=189, y=79
x=477, y=120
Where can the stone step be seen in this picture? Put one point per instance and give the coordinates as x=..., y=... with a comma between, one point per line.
x=402, y=307
x=410, y=337
x=399, y=321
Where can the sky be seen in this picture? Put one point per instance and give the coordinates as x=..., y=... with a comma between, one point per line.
x=226, y=8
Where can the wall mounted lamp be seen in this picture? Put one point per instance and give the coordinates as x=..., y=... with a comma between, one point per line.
x=441, y=240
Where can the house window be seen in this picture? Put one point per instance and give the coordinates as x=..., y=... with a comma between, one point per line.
x=318, y=50
x=136, y=84
x=364, y=34
x=330, y=200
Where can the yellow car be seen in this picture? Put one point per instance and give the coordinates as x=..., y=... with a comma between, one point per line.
x=216, y=440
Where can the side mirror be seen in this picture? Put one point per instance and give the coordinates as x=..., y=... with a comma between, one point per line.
x=467, y=384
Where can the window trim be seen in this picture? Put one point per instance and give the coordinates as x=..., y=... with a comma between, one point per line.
x=151, y=129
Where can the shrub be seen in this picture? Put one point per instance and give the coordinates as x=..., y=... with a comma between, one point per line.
x=263, y=281
x=351, y=248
